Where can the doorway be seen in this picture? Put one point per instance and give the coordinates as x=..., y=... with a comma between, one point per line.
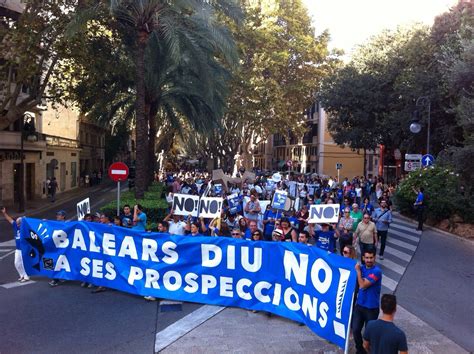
x=30, y=181
x=62, y=175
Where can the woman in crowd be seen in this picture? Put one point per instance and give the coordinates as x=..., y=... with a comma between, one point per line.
x=344, y=230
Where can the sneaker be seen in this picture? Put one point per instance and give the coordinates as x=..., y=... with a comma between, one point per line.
x=24, y=280
x=53, y=283
x=381, y=258
x=90, y=286
x=84, y=284
x=150, y=298
x=20, y=279
x=99, y=289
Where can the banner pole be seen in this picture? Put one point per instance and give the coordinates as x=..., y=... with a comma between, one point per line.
x=346, y=349
x=118, y=198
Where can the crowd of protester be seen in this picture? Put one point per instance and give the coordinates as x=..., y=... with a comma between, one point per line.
x=364, y=219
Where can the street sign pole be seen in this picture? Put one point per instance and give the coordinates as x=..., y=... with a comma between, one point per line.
x=118, y=172
x=118, y=198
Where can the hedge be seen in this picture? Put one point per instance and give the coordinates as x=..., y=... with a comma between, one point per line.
x=443, y=194
x=154, y=204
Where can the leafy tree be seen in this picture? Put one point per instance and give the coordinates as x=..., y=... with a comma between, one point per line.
x=282, y=61
x=453, y=30
x=443, y=191
x=31, y=48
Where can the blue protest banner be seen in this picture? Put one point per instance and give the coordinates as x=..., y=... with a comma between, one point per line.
x=279, y=200
x=218, y=189
x=302, y=283
x=235, y=205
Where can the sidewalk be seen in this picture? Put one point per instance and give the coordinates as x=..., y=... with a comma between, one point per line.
x=235, y=330
x=37, y=206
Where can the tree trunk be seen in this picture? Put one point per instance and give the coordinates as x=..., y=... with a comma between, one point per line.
x=364, y=173
x=151, y=144
x=141, y=128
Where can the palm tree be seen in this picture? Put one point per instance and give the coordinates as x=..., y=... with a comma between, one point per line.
x=165, y=21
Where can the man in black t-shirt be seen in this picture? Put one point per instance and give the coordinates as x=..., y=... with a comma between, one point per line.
x=127, y=216
x=382, y=336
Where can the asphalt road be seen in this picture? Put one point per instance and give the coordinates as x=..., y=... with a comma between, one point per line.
x=36, y=318
x=438, y=286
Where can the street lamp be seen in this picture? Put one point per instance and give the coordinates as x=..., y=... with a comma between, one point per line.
x=31, y=137
x=415, y=125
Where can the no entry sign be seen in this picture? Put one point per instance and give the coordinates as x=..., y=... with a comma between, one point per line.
x=118, y=172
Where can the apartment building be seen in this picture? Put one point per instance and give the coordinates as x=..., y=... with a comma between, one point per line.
x=314, y=152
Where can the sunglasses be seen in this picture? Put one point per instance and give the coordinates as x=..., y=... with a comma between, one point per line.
x=366, y=217
x=345, y=252
x=235, y=234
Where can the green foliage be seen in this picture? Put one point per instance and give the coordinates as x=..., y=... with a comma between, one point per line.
x=444, y=197
x=282, y=64
x=154, y=204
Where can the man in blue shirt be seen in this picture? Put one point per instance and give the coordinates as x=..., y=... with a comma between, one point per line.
x=369, y=278
x=269, y=223
x=139, y=218
x=382, y=336
x=325, y=239
x=382, y=218
x=419, y=206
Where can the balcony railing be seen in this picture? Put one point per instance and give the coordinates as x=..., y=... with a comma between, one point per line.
x=57, y=141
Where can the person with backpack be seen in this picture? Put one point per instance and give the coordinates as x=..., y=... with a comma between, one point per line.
x=382, y=218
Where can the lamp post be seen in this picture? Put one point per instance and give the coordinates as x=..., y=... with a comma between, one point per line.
x=415, y=125
x=31, y=137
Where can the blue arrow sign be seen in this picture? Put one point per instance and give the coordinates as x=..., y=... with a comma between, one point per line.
x=427, y=160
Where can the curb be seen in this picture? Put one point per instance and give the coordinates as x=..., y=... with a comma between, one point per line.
x=52, y=206
x=432, y=228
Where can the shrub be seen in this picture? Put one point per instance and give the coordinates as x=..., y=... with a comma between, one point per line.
x=443, y=197
x=154, y=204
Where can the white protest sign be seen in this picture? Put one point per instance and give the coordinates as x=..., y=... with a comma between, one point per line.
x=210, y=207
x=83, y=208
x=292, y=188
x=206, y=207
x=324, y=214
x=185, y=204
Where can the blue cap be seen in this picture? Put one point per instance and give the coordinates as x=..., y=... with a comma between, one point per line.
x=61, y=212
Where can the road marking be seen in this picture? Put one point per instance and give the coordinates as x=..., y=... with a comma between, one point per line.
x=389, y=283
x=169, y=302
x=397, y=253
x=386, y=263
x=405, y=222
x=5, y=256
x=404, y=235
x=401, y=244
x=10, y=243
x=406, y=228
x=16, y=284
x=185, y=325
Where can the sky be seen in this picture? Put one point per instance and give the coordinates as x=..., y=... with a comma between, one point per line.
x=352, y=22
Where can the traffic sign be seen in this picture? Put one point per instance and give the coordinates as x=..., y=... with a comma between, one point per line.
x=118, y=172
x=338, y=166
x=412, y=165
x=413, y=157
x=427, y=160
